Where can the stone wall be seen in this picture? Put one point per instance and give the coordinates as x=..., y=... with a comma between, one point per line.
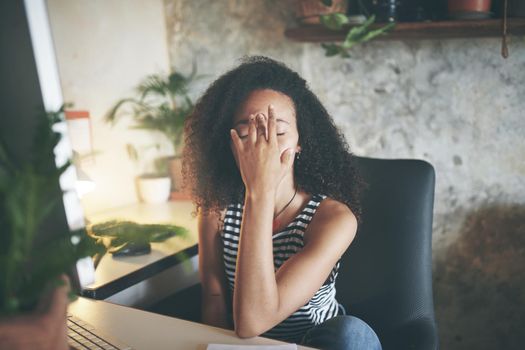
x=454, y=103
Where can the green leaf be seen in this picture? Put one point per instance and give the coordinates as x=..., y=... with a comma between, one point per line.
x=334, y=21
x=46, y=209
x=4, y=157
x=129, y=231
x=152, y=84
x=63, y=168
x=327, y=3
x=356, y=35
x=331, y=49
x=111, y=115
x=380, y=31
x=369, y=21
x=356, y=32
x=178, y=84
x=132, y=152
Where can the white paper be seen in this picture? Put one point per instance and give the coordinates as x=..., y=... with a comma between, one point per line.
x=251, y=347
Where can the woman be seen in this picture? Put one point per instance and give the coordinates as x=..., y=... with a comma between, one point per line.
x=277, y=200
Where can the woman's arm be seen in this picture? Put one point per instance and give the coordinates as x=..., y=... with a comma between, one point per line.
x=263, y=298
x=211, y=272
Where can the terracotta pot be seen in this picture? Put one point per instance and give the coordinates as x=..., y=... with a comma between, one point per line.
x=45, y=328
x=469, y=5
x=308, y=11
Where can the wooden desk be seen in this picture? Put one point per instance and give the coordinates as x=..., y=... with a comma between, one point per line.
x=143, y=280
x=145, y=330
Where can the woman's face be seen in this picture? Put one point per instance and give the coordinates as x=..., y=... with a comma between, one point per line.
x=257, y=102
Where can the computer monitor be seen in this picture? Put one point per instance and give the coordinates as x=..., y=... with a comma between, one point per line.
x=30, y=87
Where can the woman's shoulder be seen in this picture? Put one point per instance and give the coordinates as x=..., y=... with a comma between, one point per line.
x=332, y=207
x=332, y=216
x=332, y=210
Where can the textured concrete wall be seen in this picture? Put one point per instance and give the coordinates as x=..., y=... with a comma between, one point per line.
x=455, y=103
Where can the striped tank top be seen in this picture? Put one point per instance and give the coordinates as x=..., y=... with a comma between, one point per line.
x=321, y=307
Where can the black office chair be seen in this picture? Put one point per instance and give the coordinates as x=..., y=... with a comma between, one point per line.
x=385, y=276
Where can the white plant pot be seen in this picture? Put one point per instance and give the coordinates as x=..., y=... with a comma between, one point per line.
x=154, y=189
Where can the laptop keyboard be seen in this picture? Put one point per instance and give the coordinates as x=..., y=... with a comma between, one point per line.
x=82, y=335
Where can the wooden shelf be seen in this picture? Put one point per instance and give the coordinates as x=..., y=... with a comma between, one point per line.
x=486, y=28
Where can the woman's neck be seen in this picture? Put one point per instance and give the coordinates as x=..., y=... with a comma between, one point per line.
x=286, y=192
x=285, y=195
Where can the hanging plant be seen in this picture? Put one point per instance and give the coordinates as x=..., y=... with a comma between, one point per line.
x=356, y=35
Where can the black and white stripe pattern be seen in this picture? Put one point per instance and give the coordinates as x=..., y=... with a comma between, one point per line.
x=286, y=243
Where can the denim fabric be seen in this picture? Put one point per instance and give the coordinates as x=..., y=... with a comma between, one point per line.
x=342, y=332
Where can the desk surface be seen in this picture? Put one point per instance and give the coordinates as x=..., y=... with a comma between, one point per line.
x=115, y=274
x=145, y=330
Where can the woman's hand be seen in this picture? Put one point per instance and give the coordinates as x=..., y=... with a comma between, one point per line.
x=262, y=167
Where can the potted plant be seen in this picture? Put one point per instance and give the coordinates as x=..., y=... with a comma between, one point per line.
x=469, y=9
x=153, y=183
x=162, y=105
x=34, y=289
x=356, y=34
x=32, y=285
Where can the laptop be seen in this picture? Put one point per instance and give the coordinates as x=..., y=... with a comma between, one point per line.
x=29, y=87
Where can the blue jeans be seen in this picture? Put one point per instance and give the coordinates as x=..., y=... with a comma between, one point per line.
x=342, y=332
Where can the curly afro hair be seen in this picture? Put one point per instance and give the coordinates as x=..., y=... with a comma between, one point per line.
x=209, y=169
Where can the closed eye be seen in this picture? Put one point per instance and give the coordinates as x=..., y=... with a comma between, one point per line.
x=245, y=136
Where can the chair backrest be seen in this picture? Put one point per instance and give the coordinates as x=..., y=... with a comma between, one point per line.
x=385, y=277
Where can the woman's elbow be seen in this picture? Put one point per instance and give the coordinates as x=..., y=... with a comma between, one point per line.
x=250, y=323
x=247, y=329
x=244, y=332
